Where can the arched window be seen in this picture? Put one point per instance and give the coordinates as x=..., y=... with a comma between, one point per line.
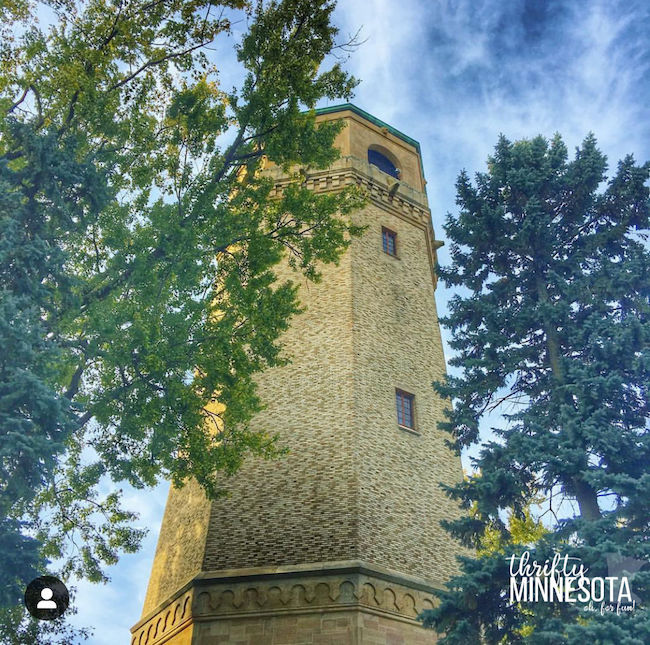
x=382, y=162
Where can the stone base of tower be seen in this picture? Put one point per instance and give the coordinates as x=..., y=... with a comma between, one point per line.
x=344, y=603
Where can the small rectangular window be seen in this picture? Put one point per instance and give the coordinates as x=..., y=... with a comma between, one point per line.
x=389, y=241
x=404, y=402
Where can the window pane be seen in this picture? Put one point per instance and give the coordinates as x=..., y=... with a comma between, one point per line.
x=398, y=405
x=404, y=403
x=408, y=418
x=388, y=241
x=383, y=163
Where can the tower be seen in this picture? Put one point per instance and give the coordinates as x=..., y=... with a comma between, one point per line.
x=338, y=542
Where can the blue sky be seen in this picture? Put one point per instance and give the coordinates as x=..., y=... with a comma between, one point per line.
x=453, y=75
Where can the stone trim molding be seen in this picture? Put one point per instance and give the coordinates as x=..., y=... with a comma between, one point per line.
x=166, y=623
x=262, y=592
x=351, y=170
x=341, y=567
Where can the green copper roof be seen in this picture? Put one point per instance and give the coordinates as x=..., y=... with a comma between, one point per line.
x=372, y=119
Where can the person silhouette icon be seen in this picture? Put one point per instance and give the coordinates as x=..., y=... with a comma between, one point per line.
x=46, y=598
x=46, y=601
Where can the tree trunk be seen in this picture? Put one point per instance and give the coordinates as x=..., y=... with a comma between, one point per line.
x=587, y=499
x=585, y=494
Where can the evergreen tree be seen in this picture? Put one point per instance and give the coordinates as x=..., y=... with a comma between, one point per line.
x=552, y=330
x=138, y=241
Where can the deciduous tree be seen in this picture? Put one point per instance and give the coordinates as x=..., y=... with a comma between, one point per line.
x=138, y=241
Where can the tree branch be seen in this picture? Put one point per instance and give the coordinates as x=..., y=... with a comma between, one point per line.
x=23, y=96
x=157, y=61
x=75, y=382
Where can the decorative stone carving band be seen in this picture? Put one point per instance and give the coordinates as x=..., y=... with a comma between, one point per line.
x=275, y=597
x=379, y=192
x=310, y=594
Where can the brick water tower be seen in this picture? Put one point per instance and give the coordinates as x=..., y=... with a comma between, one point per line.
x=338, y=542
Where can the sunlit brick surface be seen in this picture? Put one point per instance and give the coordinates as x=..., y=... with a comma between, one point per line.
x=355, y=486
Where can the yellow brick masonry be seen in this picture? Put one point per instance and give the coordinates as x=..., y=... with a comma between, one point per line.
x=354, y=487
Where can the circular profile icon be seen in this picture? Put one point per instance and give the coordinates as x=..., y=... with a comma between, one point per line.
x=46, y=598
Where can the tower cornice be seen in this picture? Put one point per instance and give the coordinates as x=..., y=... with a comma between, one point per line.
x=344, y=107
